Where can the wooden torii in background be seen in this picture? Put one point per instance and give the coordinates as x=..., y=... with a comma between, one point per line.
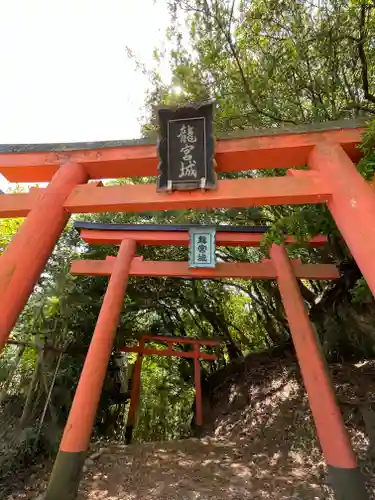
x=142, y=350
x=330, y=151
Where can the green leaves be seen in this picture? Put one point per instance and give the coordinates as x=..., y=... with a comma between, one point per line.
x=166, y=401
x=367, y=164
x=275, y=62
x=8, y=228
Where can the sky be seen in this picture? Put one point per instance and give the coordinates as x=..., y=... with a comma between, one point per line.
x=65, y=73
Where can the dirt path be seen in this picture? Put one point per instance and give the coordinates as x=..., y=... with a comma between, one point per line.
x=199, y=469
x=262, y=445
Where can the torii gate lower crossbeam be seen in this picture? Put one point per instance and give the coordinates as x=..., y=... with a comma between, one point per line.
x=195, y=354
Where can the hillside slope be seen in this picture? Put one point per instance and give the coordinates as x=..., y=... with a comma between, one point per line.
x=261, y=402
x=258, y=443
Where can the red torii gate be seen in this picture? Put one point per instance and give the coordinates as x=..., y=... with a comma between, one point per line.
x=141, y=267
x=328, y=420
x=142, y=350
x=332, y=178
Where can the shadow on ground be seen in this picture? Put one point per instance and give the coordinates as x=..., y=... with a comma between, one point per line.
x=200, y=469
x=259, y=443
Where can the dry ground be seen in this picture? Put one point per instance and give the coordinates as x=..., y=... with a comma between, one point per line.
x=200, y=469
x=193, y=469
x=260, y=444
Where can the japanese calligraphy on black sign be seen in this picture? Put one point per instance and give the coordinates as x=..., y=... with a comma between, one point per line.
x=186, y=148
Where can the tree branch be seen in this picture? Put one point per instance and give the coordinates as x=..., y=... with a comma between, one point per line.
x=362, y=55
x=232, y=48
x=354, y=105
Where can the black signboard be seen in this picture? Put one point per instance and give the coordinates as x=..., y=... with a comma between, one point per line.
x=186, y=148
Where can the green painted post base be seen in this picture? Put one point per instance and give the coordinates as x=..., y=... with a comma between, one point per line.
x=65, y=476
x=347, y=484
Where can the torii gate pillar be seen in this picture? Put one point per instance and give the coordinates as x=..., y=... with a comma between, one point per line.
x=27, y=254
x=352, y=204
x=346, y=479
x=70, y=459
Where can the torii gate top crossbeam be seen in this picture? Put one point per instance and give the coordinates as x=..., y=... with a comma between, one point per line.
x=170, y=352
x=162, y=234
x=267, y=149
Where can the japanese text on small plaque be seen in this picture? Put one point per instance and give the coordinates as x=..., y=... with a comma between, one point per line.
x=202, y=250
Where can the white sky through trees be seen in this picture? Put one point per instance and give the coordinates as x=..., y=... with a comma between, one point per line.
x=65, y=74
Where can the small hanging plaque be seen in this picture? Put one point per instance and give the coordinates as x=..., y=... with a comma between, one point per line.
x=202, y=247
x=186, y=148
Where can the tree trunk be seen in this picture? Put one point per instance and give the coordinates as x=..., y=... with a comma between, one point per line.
x=27, y=409
x=3, y=393
x=368, y=415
